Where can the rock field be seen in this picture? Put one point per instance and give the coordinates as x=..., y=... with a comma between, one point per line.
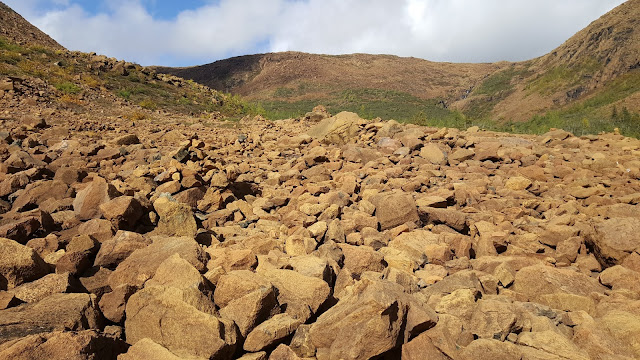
x=315, y=238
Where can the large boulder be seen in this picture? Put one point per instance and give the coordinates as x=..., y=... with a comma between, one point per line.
x=377, y=316
x=19, y=264
x=614, y=239
x=55, y=312
x=538, y=281
x=339, y=129
x=87, y=203
x=59, y=345
x=395, y=209
x=112, y=252
x=160, y=314
x=142, y=264
x=176, y=218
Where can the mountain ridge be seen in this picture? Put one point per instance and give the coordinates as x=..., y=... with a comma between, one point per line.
x=577, y=70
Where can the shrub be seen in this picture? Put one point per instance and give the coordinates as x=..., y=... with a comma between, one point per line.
x=68, y=87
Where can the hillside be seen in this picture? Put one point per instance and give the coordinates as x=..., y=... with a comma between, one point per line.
x=585, y=78
x=18, y=30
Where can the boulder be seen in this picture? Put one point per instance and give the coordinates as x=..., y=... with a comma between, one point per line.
x=123, y=212
x=176, y=219
x=395, y=209
x=86, y=204
x=112, y=252
x=339, y=129
x=142, y=264
x=614, y=239
x=55, y=312
x=48, y=285
x=19, y=264
x=63, y=345
x=157, y=313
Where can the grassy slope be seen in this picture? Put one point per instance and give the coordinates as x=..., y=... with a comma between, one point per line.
x=71, y=73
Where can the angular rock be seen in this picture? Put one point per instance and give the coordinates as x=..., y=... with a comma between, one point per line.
x=395, y=209
x=88, y=200
x=55, y=312
x=19, y=264
x=176, y=219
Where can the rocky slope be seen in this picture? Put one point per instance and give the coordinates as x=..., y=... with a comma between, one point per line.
x=317, y=238
x=18, y=30
x=596, y=69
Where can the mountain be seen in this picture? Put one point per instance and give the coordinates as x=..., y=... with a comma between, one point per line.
x=18, y=30
x=597, y=68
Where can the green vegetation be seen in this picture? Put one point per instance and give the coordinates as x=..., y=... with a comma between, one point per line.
x=68, y=87
x=68, y=74
x=499, y=82
x=594, y=114
x=368, y=103
x=563, y=76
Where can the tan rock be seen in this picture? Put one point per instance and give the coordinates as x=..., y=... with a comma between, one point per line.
x=271, y=331
x=148, y=349
x=141, y=265
x=176, y=219
x=614, y=239
x=158, y=314
x=59, y=345
x=300, y=293
x=395, y=209
x=88, y=200
x=518, y=183
x=55, y=312
x=251, y=309
x=123, y=212
x=48, y=285
x=19, y=264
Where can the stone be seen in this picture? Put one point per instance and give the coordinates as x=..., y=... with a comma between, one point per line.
x=129, y=139
x=112, y=252
x=19, y=264
x=142, y=264
x=157, y=313
x=368, y=322
x=300, y=293
x=112, y=304
x=55, y=312
x=614, y=239
x=37, y=193
x=395, y=209
x=86, y=204
x=251, y=309
x=271, y=331
x=283, y=352
x=518, y=183
x=45, y=286
x=236, y=284
x=123, y=212
x=176, y=219
x=64, y=345
x=339, y=129
x=148, y=349
x=535, y=281
x=433, y=153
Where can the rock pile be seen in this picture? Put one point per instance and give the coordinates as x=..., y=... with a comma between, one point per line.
x=317, y=238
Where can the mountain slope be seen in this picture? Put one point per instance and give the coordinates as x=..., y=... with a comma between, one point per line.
x=600, y=62
x=18, y=30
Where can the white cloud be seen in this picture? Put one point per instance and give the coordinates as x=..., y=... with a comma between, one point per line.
x=439, y=30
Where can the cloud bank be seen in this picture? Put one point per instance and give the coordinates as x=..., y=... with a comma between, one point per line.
x=438, y=30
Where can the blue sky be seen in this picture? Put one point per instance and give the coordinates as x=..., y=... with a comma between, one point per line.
x=191, y=32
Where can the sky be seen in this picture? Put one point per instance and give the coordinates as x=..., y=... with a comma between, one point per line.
x=193, y=32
